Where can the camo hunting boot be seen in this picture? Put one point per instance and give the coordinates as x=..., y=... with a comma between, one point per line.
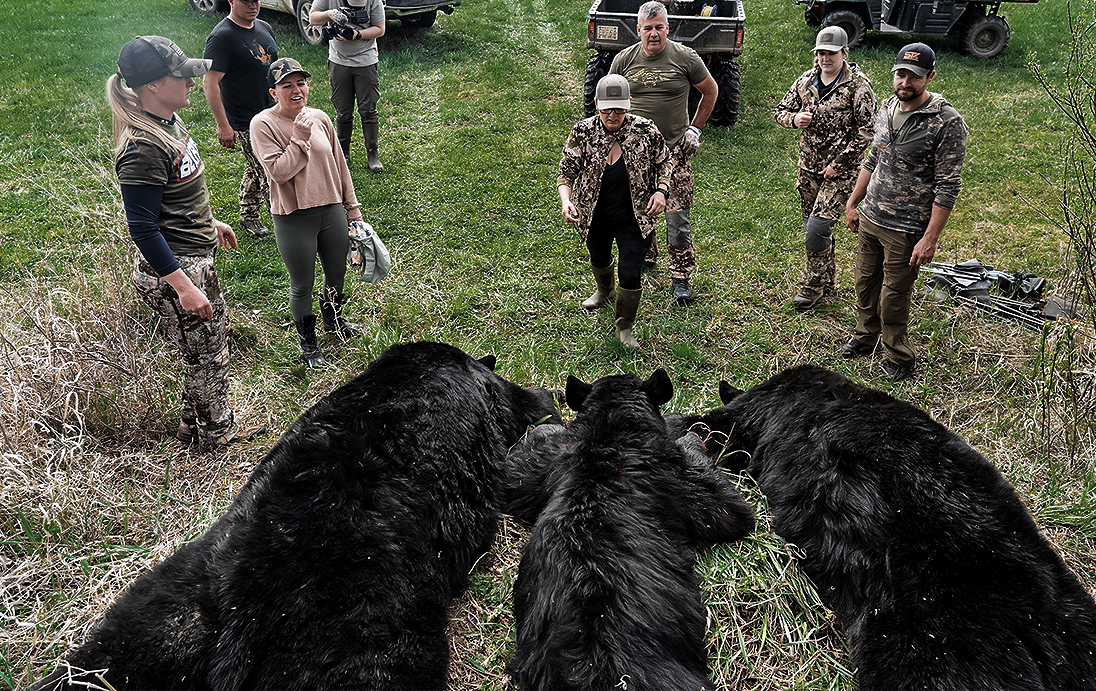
x=818, y=279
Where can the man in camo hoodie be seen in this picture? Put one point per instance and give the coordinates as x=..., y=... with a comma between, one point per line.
x=908, y=185
x=834, y=107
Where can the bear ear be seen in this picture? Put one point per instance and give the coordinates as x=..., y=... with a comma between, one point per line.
x=659, y=388
x=488, y=361
x=577, y=391
x=727, y=393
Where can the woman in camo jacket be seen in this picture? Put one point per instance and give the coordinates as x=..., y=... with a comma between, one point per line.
x=834, y=106
x=613, y=181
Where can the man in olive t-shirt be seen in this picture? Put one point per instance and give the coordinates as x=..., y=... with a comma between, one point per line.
x=660, y=73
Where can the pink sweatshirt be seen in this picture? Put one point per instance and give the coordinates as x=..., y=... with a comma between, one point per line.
x=303, y=173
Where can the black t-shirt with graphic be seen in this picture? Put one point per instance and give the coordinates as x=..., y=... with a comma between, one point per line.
x=244, y=55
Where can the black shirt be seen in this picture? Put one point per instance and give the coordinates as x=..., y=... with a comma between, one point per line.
x=244, y=55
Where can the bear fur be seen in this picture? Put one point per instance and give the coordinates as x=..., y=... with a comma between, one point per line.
x=335, y=564
x=606, y=596
x=933, y=566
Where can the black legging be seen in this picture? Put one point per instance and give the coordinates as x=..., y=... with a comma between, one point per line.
x=302, y=235
x=631, y=245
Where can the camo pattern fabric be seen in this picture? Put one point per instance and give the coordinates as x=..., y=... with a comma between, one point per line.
x=586, y=154
x=681, y=179
x=821, y=197
x=202, y=343
x=842, y=125
x=916, y=167
x=820, y=272
x=254, y=187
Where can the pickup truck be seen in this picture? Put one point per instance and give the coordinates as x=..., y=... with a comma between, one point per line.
x=713, y=28
x=417, y=14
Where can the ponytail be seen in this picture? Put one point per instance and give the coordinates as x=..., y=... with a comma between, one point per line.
x=131, y=123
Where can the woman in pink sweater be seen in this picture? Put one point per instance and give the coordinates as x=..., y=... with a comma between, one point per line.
x=311, y=199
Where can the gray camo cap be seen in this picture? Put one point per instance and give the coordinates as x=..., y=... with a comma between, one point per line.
x=146, y=59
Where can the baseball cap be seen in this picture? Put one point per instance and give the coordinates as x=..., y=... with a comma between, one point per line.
x=832, y=38
x=282, y=68
x=613, y=92
x=917, y=58
x=146, y=59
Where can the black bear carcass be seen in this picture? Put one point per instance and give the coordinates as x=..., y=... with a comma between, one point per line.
x=930, y=561
x=606, y=596
x=335, y=564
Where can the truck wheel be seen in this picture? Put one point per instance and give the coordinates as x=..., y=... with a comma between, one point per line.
x=724, y=71
x=422, y=20
x=986, y=37
x=812, y=16
x=851, y=22
x=310, y=34
x=596, y=67
x=208, y=8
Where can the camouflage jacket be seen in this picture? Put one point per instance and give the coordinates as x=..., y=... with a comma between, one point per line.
x=842, y=125
x=586, y=153
x=915, y=168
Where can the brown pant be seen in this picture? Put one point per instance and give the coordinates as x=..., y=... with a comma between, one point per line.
x=884, y=289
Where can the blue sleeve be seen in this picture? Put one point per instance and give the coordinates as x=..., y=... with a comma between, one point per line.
x=142, y=205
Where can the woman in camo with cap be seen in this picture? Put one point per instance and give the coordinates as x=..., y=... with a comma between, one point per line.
x=167, y=210
x=834, y=106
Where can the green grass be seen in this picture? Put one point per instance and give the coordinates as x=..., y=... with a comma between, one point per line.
x=474, y=113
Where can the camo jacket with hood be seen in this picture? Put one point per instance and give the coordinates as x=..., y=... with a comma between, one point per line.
x=842, y=125
x=916, y=167
x=585, y=156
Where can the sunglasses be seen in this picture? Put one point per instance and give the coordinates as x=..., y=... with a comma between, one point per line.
x=613, y=111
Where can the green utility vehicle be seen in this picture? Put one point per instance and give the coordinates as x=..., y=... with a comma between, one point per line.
x=713, y=28
x=983, y=32
x=417, y=14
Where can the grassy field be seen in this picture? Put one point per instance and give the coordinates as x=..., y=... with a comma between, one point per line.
x=93, y=490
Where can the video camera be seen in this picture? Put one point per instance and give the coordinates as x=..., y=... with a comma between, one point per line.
x=340, y=23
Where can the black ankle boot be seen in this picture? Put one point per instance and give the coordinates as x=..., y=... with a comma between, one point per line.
x=333, y=323
x=310, y=349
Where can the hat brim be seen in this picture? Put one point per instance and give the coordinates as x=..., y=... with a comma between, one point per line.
x=625, y=103
x=193, y=67
x=919, y=71
x=306, y=74
x=832, y=49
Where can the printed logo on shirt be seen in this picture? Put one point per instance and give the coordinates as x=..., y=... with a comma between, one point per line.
x=649, y=77
x=189, y=164
x=263, y=55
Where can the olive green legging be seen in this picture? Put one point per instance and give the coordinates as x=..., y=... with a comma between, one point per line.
x=300, y=236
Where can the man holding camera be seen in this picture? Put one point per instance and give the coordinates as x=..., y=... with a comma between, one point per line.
x=241, y=47
x=352, y=59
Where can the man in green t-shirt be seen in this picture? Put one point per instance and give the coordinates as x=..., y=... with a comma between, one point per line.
x=660, y=73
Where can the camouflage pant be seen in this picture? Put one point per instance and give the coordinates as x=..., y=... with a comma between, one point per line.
x=203, y=344
x=824, y=198
x=679, y=238
x=254, y=187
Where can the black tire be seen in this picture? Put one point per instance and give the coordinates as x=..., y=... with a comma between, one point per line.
x=986, y=37
x=725, y=72
x=208, y=8
x=596, y=67
x=851, y=22
x=423, y=20
x=813, y=17
x=310, y=34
